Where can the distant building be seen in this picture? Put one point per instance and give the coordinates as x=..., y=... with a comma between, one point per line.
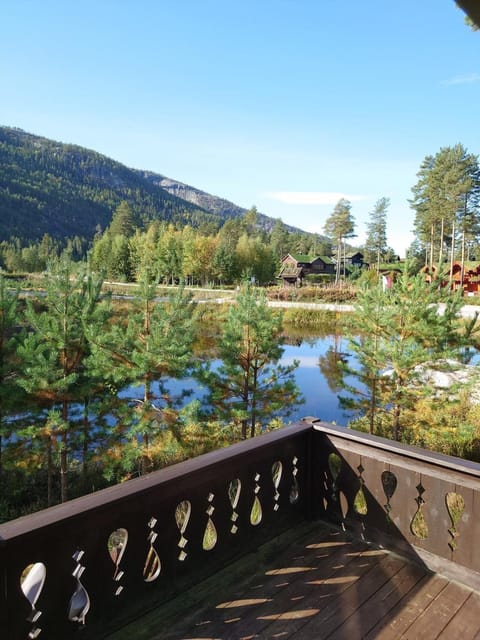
x=296, y=266
x=352, y=259
x=468, y=281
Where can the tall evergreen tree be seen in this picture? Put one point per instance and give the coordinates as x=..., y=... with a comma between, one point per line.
x=9, y=390
x=55, y=348
x=445, y=199
x=123, y=221
x=394, y=333
x=153, y=345
x=340, y=225
x=376, y=241
x=250, y=386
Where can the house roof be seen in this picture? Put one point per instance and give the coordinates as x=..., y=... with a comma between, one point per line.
x=303, y=257
x=290, y=271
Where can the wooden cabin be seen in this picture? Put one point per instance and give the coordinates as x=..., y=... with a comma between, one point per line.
x=296, y=266
x=469, y=281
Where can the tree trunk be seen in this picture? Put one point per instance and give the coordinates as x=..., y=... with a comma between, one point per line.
x=452, y=257
x=373, y=401
x=440, y=251
x=86, y=434
x=63, y=455
x=146, y=465
x=396, y=422
x=432, y=237
x=49, y=471
x=253, y=418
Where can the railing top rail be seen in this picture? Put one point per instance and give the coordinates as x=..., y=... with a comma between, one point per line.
x=409, y=451
x=135, y=487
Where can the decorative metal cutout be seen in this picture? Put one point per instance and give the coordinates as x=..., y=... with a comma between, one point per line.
x=343, y=502
x=182, y=516
x=210, y=535
x=80, y=600
x=234, y=489
x=456, y=507
x=152, y=566
x=389, y=484
x=31, y=583
x=117, y=543
x=335, y=466
x=360, y=502
x=419, y=526
x=276, y=477
x=256, y=511
x=294, y=489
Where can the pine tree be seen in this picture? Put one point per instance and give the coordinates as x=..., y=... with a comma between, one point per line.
x=153, y=345
x=123, y=221
x=55, y=348
x=376, y=241
x=340, y=225
x=446, y=199
x=250, y=386
x=9, y=390
x=394, y=333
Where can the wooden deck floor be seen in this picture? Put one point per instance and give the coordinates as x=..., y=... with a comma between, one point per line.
x=326, y=586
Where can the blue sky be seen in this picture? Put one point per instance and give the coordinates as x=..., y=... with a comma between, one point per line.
x=283, y=104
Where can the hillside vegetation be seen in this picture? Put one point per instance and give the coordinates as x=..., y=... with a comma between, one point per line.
x=64, y=190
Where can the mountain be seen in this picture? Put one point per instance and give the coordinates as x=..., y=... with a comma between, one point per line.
x=65, y=190
x=213, y=204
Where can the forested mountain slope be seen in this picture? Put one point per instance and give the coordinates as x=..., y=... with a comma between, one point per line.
x=65, y=190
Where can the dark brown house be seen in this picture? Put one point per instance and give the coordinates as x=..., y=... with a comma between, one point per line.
x=295, y=266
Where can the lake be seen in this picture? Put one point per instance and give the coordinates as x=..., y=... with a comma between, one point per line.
x=315, y=377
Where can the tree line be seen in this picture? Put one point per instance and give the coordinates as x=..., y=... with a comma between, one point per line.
x=445, y=199
x=84, y=395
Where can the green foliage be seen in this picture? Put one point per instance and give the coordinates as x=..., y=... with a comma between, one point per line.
x=376, y=241
x=154, y=342
x=55, y=348
x=446, y=201
x=67, y=191
x=393, y=333
x=340, y=225
x=250, y=385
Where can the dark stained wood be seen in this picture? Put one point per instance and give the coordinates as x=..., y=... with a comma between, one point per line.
x=433, y=620
x=466, y=623
x=402, y=616
x=326, y=586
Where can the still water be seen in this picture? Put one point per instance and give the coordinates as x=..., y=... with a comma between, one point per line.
x=315, y=376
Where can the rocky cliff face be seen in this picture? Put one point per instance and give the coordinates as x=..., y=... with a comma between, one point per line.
x=212, y=204
x=200, y=198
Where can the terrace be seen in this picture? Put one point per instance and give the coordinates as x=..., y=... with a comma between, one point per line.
x=311, y=531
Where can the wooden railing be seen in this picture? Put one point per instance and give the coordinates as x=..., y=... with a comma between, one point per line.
x=96, y=563
x=422, y=504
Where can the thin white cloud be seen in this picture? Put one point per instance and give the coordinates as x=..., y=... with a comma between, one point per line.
x=469, y=78
x=312, y=197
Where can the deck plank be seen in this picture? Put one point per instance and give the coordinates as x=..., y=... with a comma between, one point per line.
x=433, y=620
x=310, y=595
x=319, y=585
x=329, y=618
x=379, y=605
x=402, y=616
x=466, y=622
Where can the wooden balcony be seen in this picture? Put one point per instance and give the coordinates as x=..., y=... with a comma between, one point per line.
x=312, y=531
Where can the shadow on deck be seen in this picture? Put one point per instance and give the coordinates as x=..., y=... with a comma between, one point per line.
x=315, y=583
